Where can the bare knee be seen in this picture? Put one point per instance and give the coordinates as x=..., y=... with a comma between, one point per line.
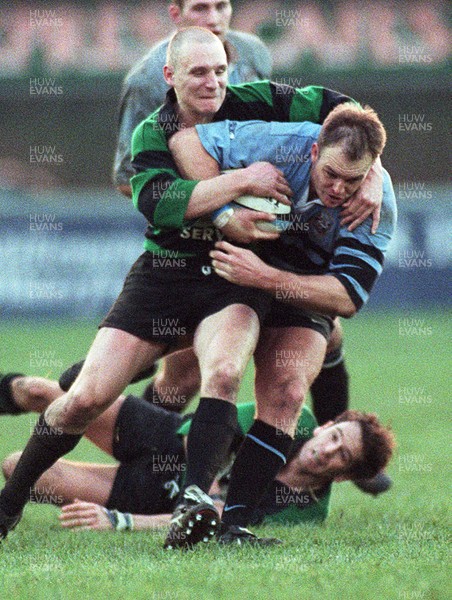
x=76, y=410
x=280, y=403
x=223, y=380
x=9, y=464
x=289, y=396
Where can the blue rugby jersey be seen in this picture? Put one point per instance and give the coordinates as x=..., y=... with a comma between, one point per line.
x=315, y=242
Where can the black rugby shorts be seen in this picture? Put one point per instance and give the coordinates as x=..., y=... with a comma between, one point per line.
x=161, y=302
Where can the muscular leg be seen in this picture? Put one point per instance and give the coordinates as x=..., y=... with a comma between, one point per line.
x=67, y=480
x=287, y=361
x=35, y=394
x=102, y=379
x=224, y=343
x=60, y=428
x=330, y=390
x=177, y=382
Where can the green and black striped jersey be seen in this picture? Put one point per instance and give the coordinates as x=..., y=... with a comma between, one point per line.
x=159, y=192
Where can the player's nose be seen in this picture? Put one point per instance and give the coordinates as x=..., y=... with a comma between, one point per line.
x=338, y=187
x=211, y=80
x=331, y=447
x=213, y=20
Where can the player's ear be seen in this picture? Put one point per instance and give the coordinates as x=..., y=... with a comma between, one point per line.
x=174, y=13
x=168, y=74
x=314, y=152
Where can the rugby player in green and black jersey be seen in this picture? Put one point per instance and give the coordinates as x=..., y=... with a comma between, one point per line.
x=149, y=320
x=149, y=443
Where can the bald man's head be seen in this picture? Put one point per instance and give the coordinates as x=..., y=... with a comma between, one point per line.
x=184, y=39
x=197, y=69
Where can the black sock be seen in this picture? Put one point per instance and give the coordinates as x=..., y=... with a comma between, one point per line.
x=7, y=403
x=260, y=457
x=68, y=377
x=44, y=448
x=330, y=391
x=209, y=440
x=152, y=396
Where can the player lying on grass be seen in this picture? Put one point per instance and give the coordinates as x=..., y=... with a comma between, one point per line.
x=149, y=444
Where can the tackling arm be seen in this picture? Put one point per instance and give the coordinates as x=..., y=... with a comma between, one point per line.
x=213, y=191
x=324, y=294
x=167, y=200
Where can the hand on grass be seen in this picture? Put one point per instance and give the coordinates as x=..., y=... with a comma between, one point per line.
x=84, y=515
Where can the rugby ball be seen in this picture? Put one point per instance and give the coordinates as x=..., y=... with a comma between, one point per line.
x=268, y=205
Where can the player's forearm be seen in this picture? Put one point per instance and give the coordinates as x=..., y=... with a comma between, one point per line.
x=211, y=194
x=318, y=293
x=193, y=162
x=142, y=522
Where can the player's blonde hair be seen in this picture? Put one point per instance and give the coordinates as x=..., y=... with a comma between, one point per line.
x=358, y=130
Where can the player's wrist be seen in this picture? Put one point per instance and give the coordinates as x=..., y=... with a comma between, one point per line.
x=221, y=216
x=240, y=182
x=120, y=521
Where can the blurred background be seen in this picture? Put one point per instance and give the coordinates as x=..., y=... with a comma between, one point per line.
x=67, y=238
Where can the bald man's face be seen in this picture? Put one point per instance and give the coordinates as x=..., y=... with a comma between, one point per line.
x=212, y=14
x=199, y=80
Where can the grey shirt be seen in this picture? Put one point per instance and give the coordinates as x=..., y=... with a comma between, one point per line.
x=144, y=89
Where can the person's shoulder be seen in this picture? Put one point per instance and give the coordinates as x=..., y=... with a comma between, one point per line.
x=149, y=134
x=245, y=39
x=252, y=50
x=389, y=204
x=149, y=64
x=251, y=90
x=388, y=190
x=303, y=129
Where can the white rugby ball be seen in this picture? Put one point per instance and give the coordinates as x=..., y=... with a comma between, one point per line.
x=268, y=205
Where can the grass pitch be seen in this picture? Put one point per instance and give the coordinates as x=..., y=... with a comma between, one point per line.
x=391, y=547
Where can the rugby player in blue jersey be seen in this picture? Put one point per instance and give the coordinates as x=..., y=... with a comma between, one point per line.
x=316, y=271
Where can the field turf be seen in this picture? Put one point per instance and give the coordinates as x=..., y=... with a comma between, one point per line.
x=391, y=547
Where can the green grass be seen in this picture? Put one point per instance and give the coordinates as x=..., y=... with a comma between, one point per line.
x=392, y=547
